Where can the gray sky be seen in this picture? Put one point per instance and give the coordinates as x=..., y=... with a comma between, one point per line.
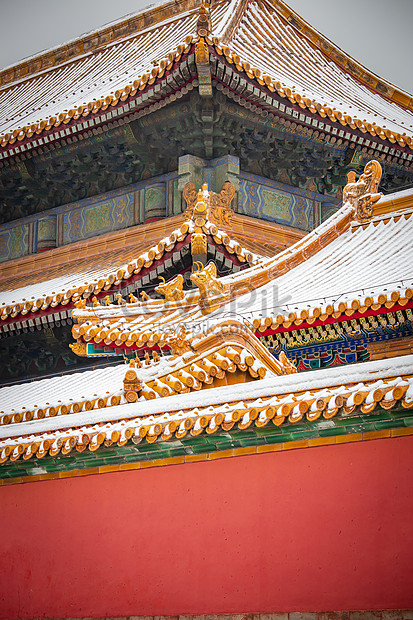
x=377, y=33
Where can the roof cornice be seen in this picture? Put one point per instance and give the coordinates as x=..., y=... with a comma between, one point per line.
x=94, y=41
x=379, y=85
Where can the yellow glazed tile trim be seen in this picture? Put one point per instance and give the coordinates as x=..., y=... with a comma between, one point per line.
x=195, y=458
x=292, y=407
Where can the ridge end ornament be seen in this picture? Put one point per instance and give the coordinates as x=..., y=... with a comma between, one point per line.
x=288, y=366
x=203, y=25
x=207, y=281
x=171, y=290
x=79, y=348
x=362, y=194
x=179, y=340
x=205, y=205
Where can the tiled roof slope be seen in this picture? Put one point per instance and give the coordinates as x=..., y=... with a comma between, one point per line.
x=368, y=266
x=343, y=267
x=214, y=360
x=264, y=40
x=350, y=393
x=61, y=276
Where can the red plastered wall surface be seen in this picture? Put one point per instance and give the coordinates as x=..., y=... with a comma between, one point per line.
x=324, y=528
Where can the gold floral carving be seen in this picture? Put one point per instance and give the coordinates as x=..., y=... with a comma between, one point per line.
x=172, y=290
x=207, y=282
x=362, y=194
x=221, y=204
x=79, y=348
x=212, y=206
x=201, y=53
x=190, y=195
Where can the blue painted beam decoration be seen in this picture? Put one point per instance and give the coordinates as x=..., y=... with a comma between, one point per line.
x=339, y=343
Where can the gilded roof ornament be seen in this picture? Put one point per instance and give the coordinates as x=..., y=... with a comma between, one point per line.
x=179, y=340
x=205, y=205
x=288, y=366
x=203, y=25
x=207, y=282
x=362, y=194
x=79, y=348
x=199, y=244
x=132, y=384
x=172, y=290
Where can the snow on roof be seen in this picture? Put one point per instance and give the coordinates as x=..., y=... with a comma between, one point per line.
x=337, y=268
x=261, y=37
x=326, y=393
x=367, y=261
x=51, y=290
x=193, y=367
x=280, y=50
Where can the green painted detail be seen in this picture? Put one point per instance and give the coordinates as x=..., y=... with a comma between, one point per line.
x=95, y=351
x=331, y=432
x=204, y=443
x=389, y=424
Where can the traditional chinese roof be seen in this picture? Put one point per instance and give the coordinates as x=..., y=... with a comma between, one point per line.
x=344, y=268
x=126, y=261
x=358, y=263
x=325, y=400
x=140, y=62
x=231, y=354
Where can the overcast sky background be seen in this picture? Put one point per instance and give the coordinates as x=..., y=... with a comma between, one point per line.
x=377, y=33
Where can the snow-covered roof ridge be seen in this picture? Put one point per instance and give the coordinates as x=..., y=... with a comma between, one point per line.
x=153, y=15
x=367, y=267
x=336, y=54
x=206, y=362
x=326, y=393
x=87, y=34
x=63, y=291
x=331, y=92
x=120, y=70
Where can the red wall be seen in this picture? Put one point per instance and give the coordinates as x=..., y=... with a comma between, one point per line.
x=325, y=528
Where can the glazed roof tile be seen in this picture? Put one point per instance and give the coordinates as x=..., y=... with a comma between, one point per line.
x=326, y=393
x=264, y=40
x=339, y=268
x=364, y=262
x=207, y=360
